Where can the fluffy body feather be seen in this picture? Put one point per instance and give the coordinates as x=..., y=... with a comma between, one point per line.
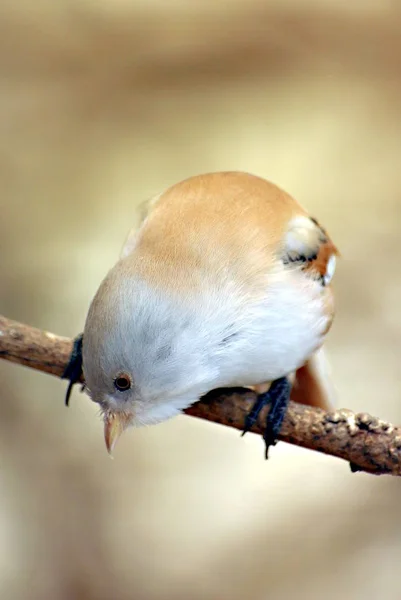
x=226, y=283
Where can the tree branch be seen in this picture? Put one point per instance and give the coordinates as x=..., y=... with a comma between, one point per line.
x=367, y=443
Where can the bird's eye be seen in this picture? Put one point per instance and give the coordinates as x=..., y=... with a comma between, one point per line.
x=122, y=382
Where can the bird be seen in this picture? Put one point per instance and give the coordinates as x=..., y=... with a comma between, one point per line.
x=225, y=283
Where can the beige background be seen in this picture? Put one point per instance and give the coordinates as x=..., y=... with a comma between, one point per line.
x=103, y=104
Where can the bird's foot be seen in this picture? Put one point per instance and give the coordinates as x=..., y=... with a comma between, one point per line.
x=277, y=397
x=73, y=371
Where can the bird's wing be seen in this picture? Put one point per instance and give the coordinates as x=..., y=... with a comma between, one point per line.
x=308, y=246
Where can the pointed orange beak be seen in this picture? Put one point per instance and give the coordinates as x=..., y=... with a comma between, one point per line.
x=115, y=423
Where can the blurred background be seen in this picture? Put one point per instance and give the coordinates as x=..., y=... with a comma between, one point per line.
x=102, y=105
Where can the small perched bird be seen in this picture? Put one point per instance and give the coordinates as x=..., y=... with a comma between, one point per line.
x=226, y=283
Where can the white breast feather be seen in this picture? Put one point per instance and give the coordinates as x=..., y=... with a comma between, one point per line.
x=223, y=340
x=277, y=335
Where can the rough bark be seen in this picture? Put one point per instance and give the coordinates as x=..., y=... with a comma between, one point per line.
x=366, y=442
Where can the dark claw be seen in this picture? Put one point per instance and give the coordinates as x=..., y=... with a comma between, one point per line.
x=354, y=467
x=73, y=371
x=278, y=397
x=270, y=440
x=253, y=414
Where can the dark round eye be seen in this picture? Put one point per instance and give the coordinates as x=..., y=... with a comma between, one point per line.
x=122, y=382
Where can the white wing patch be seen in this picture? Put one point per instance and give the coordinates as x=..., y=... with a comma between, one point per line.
x=303, y=239
x=331, y=268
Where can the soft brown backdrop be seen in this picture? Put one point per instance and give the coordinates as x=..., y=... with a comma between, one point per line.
x=103, y=104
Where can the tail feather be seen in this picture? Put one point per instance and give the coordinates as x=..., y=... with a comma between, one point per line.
x=312, y=384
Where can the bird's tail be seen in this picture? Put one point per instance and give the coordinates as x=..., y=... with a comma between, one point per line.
x=312, y=383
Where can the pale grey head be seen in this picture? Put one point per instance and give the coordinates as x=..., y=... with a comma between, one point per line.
x=146, y=352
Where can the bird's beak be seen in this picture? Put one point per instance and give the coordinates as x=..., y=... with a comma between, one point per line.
x=114, y=425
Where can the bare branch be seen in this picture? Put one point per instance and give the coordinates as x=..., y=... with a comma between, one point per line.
x=366, y=442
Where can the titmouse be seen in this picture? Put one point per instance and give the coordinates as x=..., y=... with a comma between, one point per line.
x=226, y=283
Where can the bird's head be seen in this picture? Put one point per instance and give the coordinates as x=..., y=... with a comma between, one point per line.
x=143, y=354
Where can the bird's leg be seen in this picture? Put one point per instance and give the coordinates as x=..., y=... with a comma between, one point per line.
x=253, y=414
x=277, y=397
x=73, y=370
